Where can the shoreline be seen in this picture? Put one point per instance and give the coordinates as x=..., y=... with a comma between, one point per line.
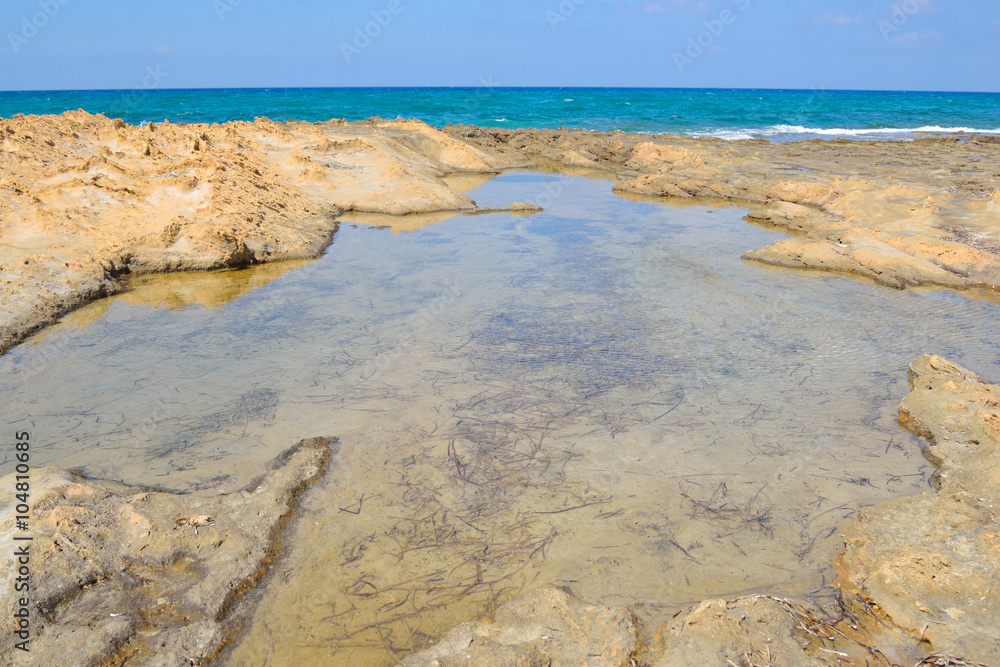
x=730, y=113
x=905, y=221
x=262, y=192
x=87, y=200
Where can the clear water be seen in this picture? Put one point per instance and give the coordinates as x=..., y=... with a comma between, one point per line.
x=730, y=114
x=602, y=396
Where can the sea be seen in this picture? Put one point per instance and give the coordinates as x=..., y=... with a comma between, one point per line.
x=776, y=115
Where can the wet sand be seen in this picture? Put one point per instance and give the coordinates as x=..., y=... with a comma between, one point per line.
x=936, y=227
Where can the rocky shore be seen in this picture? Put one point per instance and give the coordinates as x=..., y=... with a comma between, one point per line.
x=86, y=200
x=124, y=573
x=919, y=578
x=901, y=214
x=153, y=577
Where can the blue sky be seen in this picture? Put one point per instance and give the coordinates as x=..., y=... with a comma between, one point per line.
x=827, y=44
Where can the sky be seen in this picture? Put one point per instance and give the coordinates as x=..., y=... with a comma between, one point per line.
x=941, y=45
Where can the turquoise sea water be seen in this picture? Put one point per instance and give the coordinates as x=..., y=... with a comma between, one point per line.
x=731, y=114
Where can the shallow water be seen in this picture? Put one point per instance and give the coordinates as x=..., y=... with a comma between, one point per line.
x=602, y=396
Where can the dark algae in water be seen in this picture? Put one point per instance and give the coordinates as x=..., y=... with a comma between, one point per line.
x=628, y=410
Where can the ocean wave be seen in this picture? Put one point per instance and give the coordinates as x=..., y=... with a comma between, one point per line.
x=798, y=129
x=728, y=135
x=735, y=134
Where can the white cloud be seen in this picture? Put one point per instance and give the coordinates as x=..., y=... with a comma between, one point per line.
x=624, y=11
x=676, y=7
x=917, y=38
x=840, y=19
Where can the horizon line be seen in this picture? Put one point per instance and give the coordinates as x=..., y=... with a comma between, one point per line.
x=707, y=88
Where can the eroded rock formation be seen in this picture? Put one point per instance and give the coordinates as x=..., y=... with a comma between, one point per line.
x=120, y=572
x=931, y=565
x=545, y=627
x=85, y=199
x=900, y=213
x=919, y=577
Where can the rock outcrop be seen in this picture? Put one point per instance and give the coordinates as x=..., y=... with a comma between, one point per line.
x=931, y=565
x=123, y=573
x=899, y=213
x=547, y=627
x=919, y=578
x=85, y=199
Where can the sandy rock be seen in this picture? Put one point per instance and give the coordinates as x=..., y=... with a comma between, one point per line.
x=655, y=186
x=744, y=632
x=518, y=207
x=126, y=572
x=912, y=210
x=993, y=204
x=86, y=200
x=929, y=565
x=824, y=256
x=802, y=193
x=859, y=251
x=793, y=217
x=977, y=267
x=659, y=158
x=543, y=628
x=445, y=152
x=959, y=416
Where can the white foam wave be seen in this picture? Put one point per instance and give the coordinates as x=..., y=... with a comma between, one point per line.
x=855, y=132
x=728, y=135
x=735, y=134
